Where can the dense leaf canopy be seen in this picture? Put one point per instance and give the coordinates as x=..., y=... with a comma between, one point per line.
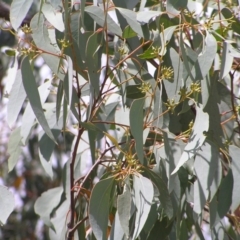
x=142, y=100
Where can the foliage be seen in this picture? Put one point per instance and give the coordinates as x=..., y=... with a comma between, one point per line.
x=148, y=92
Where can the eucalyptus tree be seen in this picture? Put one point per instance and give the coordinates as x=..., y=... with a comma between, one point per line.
x=149, y=92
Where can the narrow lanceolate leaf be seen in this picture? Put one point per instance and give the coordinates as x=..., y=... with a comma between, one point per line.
x=16, y=99
x=196, y=138
x=225, y=194
x=47, y=202
x=40, y=34
x=124, y=209
x=93, y=56
x=7, y=204
x=99, y=208
x=18, y=11
x=117, y=232
x=28, y=118
x=131, y=18
x=205, y=165
x=33, y=96
x=164, y=197
x=53, y=16
x=14, y=148
x=99, y=17
x=136, y=126
x=234, y=152
x=67, y=83
x=205, y=59
x=143, y=195
x=227, y=60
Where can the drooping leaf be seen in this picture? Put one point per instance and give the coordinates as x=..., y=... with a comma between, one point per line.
x=93, y=54
x=225, y=194
x=164, y=197
x=46, y=203
x=234, y=153
x=59, y=222
x=131, y=18
x=14, y=148
x=46, y=145
x=29, y=116
x=59, y=99
x=68, y=81
x=205, y=164
x=173, y=150
x=7, y=204
x=41, y=36
x=99, y=207
x=205, y=59
x=53, y=16
x=124, y=209
x=98, y=15
x=196, y=138
x=143, y=195
x=16, y=99
x=136, y=126
x=42, y=40
x=117, y=232
x=172, y=86
x=18, y=11
x=33, y=96
x=227, y=60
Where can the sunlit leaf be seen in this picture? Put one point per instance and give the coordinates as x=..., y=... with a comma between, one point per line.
x=197, y=137
x=18, y=11
x=47, y=202
x=124, y=209
x=14, y=148
x=53, y=16
x=136, y=126
x=131, y=18
x=33, y=96
x=143, y=194
x=16, y=99
x=7, y=204
x=99, y=207
x=98, y=15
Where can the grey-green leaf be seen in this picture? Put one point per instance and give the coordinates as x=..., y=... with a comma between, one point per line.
x=98, y=15
x=196, y=138
x=205, y=164
x=124, y=209
x=18, y=11
x=47, y=202
x=227, y=60
x=14, y=148
x=33, y=96
x=53, y=16
x=16, y=99
x=143, y=195
x=136, y=126
x=225, y=194
x=99, y=208
x=7, y=204
x=234, y=152
x=131, y=18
